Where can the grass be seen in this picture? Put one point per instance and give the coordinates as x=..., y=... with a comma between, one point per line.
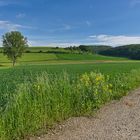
x=34, y=97
x=105, y=68
x=86, y=57
x=37, y=57
x=46, y=49
x=12, y=77
x=41, y=100
x=37, y=49
x=46, y=58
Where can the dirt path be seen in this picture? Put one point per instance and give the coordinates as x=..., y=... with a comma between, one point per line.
x=119, y=120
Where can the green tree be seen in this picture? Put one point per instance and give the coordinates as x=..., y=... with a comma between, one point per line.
x=14, y=44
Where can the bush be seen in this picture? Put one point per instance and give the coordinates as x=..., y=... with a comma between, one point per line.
x=40, y=51
x=28, y=51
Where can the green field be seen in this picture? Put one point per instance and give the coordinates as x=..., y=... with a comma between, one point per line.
x=45, y=88
x=106, y=68
x=46, y=49
x=49, y=58
x=94, y=57
x=43, y=49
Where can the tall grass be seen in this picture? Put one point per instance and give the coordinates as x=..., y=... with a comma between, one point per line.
x=48, y=99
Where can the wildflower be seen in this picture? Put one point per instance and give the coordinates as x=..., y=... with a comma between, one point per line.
x=110, y=85
x=36, y=86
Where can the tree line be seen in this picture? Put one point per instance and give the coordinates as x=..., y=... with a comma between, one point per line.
x=128, y=51
x=14, y=44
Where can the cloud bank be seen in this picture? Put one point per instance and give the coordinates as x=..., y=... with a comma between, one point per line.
x=114, y=40
x=91, y=40
x=9, y=26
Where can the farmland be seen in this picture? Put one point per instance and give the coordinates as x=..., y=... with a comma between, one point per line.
x=49, y=58
x=45, y=88
x=69, y=70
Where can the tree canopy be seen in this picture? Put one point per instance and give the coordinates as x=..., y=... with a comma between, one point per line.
x=129, y=51
x=14, y=44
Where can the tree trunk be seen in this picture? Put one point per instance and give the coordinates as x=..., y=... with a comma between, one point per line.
x=14, y=63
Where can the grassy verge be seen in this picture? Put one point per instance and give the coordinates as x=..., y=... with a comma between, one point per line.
x=48, y=98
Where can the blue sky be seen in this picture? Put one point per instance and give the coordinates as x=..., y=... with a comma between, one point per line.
x=72, y=22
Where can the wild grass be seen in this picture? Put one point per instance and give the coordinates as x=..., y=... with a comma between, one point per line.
x=12, y=77
x=45, y=99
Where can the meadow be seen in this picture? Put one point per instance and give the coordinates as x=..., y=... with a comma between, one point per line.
x=44, y=89
x=42, y=57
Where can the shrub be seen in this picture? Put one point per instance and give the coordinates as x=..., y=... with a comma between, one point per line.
x=28, y=51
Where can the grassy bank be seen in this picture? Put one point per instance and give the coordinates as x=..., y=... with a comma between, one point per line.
x=43, y=99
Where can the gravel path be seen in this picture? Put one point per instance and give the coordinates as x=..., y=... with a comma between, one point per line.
x=119, y=120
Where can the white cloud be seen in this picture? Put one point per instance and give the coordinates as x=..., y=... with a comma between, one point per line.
x=52, y=44
x=114, y=40
x=20, y=15
x=91, y=40
x=8, y=26
x=67, y=44
x=88, y=23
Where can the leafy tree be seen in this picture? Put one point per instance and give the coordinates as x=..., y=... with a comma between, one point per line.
x=130, y=51
x=14, y=44
x=93, y=48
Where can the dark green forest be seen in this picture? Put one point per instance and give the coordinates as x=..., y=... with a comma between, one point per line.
x=128, y=51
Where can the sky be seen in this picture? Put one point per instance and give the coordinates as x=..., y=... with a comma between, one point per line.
x=72, y=22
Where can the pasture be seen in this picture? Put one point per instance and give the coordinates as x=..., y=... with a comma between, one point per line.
x=49, y=58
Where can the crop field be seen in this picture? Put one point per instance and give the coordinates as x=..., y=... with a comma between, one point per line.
x=45, y=88
x=69, y=63
x=86, y=57
x=46, y=49
x=50, y=93
x=49, y=58
x=42, y=49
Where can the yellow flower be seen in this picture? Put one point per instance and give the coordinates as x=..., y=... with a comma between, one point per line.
x=110, y=91
x=38, y=87
x=110, y=85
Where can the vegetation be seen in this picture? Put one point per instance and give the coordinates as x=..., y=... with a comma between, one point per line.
x=36, y=97
x=14, y=44
x=128, y=51
x=94, y=57
x=94, y=48
x=49, y=58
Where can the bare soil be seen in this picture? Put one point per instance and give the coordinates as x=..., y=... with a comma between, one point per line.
x=118, y=120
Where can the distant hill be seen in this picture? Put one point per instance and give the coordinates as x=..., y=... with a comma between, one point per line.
x=40, y=49
x=129, y=51
x=94, y=48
